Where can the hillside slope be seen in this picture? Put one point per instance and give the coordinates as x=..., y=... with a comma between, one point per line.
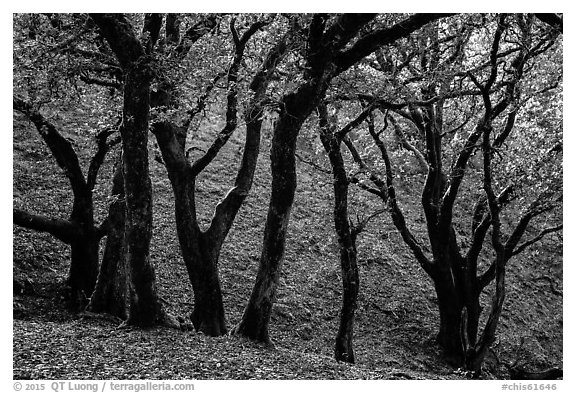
x=396, y=317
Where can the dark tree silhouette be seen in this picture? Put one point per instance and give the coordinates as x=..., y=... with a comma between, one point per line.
x=80, y=230
x=326, y=56
x=111, y=292
x=134, y=58
x=201, y=248
x=454, y=270
x=346, y=232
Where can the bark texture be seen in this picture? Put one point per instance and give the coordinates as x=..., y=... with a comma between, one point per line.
x=79, y=230
x=327, y=53
x=296, y=108
x=201, y=249
x=454, y=270
x=111, y=293
x=344, y=349
x=145, y=308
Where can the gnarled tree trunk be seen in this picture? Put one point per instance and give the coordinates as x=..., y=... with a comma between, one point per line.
x=344, y=349
x=200, y=254
x=84, y=251
x=79, y=231
x=144, y=302
x=134, y=57
x=201, y=249
x=111, y=292
x=295, y=109
x=328, y=53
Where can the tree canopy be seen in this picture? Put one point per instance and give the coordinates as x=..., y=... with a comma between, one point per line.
x=446, y=127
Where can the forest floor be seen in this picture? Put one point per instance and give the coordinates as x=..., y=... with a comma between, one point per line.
x=396, y=319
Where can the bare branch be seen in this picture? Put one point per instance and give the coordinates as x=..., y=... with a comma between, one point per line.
x=374, y=178
x=228, y=207
x=60, y=147
x=194, y=33
x=371, y=190
x=62, y=230
x=89, y=80
x=202, y=99
x=262, y=78
x=103, y=146
x=253, y=29
x=494, y=53
x=357, y=228
x=535, y=209
x=508, y=127
x=395, y=211
x=481, y=223
x=354, y=123
x=490, y=273
x=407, y=145
x=489, y=333
x=385, y=104
x=232, y=99
x=383, y=36
x=537, y=238
x=457, y=175
x=312, y=164
x=235, y=37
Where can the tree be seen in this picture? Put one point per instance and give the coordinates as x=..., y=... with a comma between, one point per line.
x=201, y=248
x=134, y=57
x=326, y=55
x=79, y=231
x=41, y=80
x=504, y=248
x=347, y=233
x=455, y=270
x=111, y=291
x=69, y=63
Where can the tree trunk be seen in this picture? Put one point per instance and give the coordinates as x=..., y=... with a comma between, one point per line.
x=295, y=109
x=343, y=350
x=199, y=251
x=256, y=317
x=458, y=295
x=459, y=311
x=201, y=260
x=450, y=307
x=111, y=292
x=473, y=310
x=83, y=270
x=145, y=309
x=84, y=259
x=208, y=313
x=350, y=280
x=326, y=57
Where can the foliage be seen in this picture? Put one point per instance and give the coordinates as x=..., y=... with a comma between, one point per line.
x=66, y=70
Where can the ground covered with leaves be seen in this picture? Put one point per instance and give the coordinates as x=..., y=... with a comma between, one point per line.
x=395, y=322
